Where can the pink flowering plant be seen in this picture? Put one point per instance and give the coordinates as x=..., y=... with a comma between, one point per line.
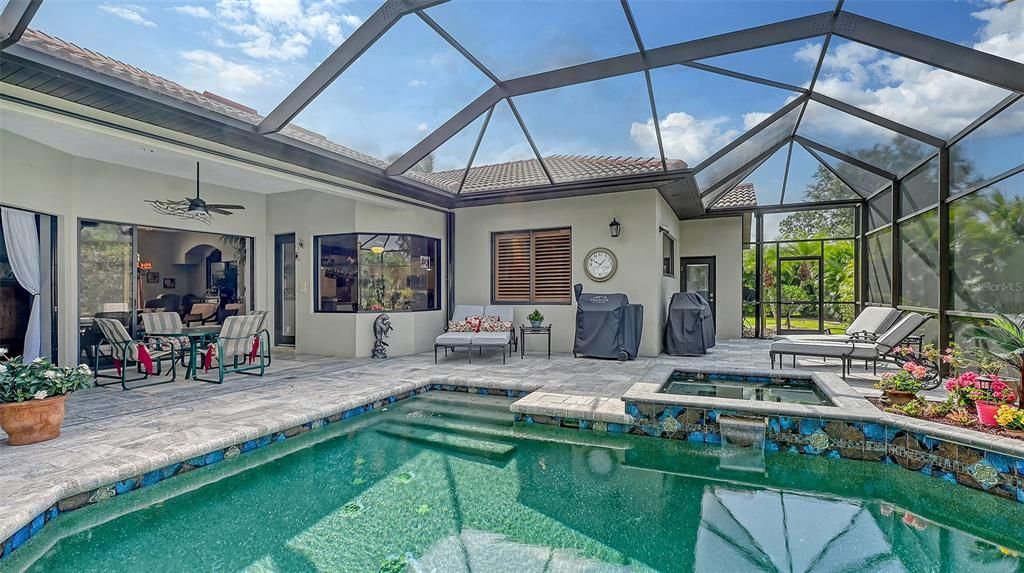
x=968, y=388
x=908, y=379
x=923, y=366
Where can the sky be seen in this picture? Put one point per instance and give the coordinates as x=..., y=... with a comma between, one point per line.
x=406, y=85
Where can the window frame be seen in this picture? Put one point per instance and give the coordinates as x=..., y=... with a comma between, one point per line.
x=316, y=273
x=494, y=267
x=670, y=256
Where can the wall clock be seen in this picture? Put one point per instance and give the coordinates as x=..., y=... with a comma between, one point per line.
x=600, y=264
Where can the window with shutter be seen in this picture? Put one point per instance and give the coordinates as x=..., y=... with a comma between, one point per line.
x=532, y=267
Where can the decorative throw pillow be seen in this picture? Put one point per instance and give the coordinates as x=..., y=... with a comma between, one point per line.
x=495, y=324
x=474, y=323
x=460, y=326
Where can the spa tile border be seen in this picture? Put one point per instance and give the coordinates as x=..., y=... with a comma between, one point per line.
x=852, y=428
x=148, y=477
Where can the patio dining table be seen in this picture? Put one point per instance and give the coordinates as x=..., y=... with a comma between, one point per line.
x=196, y=335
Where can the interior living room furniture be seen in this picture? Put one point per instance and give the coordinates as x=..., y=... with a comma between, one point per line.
x=201, y=313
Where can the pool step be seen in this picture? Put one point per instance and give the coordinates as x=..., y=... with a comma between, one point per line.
x=452, y=411
x=447, y=440
x=482, y=401
x=504, y=433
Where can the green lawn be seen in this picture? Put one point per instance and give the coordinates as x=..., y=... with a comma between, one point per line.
x=796, y=323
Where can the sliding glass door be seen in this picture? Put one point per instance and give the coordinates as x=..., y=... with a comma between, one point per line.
x=107, y=280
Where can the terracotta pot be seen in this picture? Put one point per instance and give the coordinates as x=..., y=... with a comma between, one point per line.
x=987, y=413
x=900, y=397
x=32, y=421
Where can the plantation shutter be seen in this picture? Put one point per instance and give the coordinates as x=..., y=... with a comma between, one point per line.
x=552, y=266
x=512, y=267
x=533, y=267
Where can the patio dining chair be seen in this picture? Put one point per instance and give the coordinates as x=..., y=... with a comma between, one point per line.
x=240, y=348
x=124, y=349
x=166, y=322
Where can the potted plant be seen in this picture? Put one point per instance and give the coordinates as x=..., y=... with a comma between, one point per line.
x=32, y=397
x=902, y=387
x=1002, y=340
x=988, y=400
x=1011, y=419
x=535, y=318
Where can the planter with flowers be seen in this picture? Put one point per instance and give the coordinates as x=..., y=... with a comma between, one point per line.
x=986, y=396
x=902, y=387
x=1002, y=341
x=32, y=397
x=1011, y=420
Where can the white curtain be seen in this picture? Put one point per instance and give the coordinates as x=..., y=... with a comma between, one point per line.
x=22, y=239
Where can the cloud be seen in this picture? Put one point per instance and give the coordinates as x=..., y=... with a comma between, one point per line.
x=224, y=75
x=129, y=12
x=422, y=128
x=417, y=83
x=917, y=95
x=282, y=30
x=755, y=117
x=684, y=136
x=196, y=11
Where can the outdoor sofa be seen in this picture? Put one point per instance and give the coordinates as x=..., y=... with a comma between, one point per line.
x=852, y=349
x=478, y=340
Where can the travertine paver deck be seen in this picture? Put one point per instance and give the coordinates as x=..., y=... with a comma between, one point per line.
x=110, y=435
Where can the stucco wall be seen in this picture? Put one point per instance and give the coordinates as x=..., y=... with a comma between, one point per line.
x=42, y=179
x=637, y=250
x=720, y=238
x=309, y=213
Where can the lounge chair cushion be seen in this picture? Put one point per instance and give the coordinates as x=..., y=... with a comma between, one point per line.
x=455, y=339
x=874, y=319
x=491, y=338
x=829, y=349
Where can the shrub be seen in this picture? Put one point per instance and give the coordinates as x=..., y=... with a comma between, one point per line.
x=38, y=379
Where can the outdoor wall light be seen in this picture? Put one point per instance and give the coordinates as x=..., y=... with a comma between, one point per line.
x=376, y=249
x=615, y=227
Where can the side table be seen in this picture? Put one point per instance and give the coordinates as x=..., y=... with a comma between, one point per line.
x=524, y=330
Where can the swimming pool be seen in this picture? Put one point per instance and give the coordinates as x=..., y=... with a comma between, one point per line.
x=736, y=387
x=446, y=482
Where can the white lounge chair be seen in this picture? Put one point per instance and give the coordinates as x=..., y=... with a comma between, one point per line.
x=850, y=349
x=869, y=324
x=479, y=340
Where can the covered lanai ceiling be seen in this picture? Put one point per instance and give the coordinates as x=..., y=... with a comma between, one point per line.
x=720, y=105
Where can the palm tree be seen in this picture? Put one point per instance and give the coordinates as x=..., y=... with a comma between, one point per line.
x=1003, y=340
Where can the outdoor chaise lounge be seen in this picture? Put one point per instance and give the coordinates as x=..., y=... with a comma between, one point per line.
x=878, y=349
x=869, y=324
x=480, y=340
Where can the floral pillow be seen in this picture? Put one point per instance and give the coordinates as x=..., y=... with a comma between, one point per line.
x=495, y=324
x=461, y=326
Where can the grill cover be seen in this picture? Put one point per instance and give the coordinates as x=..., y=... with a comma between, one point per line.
x=607, y=326
x=690, y=328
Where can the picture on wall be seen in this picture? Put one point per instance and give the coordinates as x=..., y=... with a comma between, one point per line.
x=152, y=277
x=169, y=283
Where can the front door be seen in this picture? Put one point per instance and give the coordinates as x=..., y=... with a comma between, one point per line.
x=284, y=289
x=698, y=275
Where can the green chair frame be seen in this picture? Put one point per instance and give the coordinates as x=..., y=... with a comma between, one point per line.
x=261, y=364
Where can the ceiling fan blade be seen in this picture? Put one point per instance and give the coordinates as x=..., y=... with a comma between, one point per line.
x=212, y=209
x=222, y=206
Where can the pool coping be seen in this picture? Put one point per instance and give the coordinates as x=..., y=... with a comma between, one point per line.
x=591, y=412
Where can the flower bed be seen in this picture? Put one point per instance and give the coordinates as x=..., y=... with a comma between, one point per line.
x=968, y=421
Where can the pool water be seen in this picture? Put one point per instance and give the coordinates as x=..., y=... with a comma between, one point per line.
x=444, y=482
x=745, y=388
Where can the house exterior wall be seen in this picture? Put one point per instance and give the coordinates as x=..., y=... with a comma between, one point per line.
x=637, y=251
x=39, y=178
x=309, y=213
x=721, y=238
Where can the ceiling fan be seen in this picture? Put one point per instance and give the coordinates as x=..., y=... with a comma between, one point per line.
x=192, y=207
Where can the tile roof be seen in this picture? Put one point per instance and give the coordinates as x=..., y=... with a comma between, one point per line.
x=528, y=172
x=524, y=173
x=742, y=195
